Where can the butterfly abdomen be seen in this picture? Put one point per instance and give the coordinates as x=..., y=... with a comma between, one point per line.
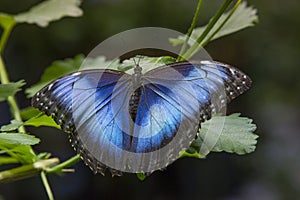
x=134, y=103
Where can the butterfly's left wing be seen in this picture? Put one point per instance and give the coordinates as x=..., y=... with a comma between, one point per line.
x=81, y=103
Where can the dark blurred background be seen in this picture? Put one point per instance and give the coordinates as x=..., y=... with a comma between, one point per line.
x=269, y=53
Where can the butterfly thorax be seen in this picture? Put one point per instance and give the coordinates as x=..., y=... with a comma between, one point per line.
x=136, y=77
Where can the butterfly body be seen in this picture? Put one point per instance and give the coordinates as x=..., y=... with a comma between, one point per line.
x=139, y=122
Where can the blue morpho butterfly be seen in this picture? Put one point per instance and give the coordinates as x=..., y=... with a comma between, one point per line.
x=138, y=122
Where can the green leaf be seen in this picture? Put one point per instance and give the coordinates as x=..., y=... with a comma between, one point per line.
x=18, y=138
x=147, y=63
x=56, y=70
x=10, y=89
x=100, y=62
x=50, y=10
x=23, y=153
x=242, y=18
x=29, y=112
x=60, y=68
x=14, y=124
x=41, y=120
x=236, y=135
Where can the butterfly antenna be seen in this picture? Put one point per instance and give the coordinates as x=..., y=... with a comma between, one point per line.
x=135, y=63
x=138, y=62
x=140, y=57
x=137, y=66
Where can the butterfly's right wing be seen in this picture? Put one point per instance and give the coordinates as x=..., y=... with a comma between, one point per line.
x=177, y=97
x=209, y=83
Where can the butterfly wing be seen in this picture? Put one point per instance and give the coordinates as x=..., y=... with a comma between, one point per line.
x=175, y=98
x=211, y=84
x=81, y=104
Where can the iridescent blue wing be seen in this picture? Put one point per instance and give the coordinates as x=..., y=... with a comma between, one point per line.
x=81, y=104
x=211, y=84
x=176, y=98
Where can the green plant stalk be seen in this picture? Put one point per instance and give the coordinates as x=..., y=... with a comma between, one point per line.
x=11, y=100
x=8, y=160
x=18, y=173
x=5, y=35
x=63, y=165
x=197, y=45
x=189, y=33
x=26, y=171
x=223, y=23
x=47, y=186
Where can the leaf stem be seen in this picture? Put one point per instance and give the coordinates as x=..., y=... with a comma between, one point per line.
x=26, y=171
x=197, y=45
x=47, y=186
x=8, y=160
x=63, y=165
x=223, y=23
x=11, y=100
x=189, y=33
x=6, y=33
x=3, y=72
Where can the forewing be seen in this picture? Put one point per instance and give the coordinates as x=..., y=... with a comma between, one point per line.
x=211, y=84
